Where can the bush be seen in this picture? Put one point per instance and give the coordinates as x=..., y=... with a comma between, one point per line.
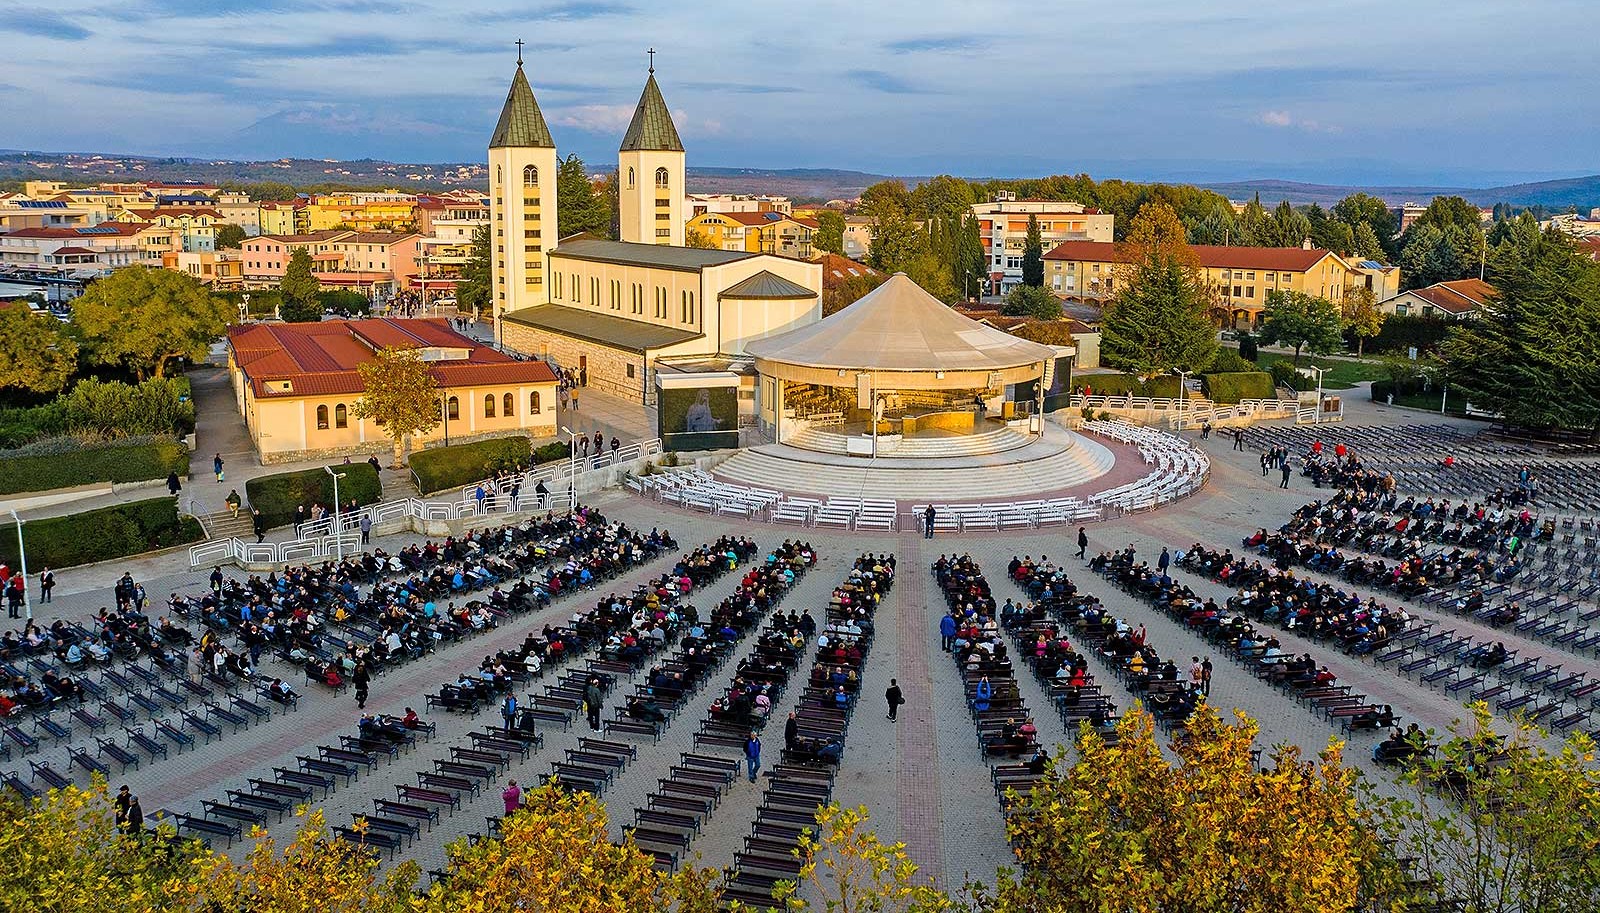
x=1165, y=386
x=263, y=302
x=276, y=496
x=1230, y=387
x=1399, y=333
x=106, y=410
x=1247, y=346
x=344, y=302
x=102, y=534
x=65, y=462
x=300, y=312
x=28, y=424
x=1031, y=301
x=1229, y=362
x=555, y=450
x=1284, y=375
x=440, y=468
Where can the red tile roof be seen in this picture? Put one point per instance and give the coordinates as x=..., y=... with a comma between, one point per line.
x=104, y=229
x=322, y=358
x=73, y=249
x=1292, y=259
x=1591, y=246
x=836, y=269
x=157, y=211
x=1461, y=296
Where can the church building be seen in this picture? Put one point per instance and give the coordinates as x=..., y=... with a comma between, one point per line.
x=617, y=308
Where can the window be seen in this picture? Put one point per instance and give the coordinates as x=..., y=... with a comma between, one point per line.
x=453, y=407
x=630, y=178
x=616, y=295
x=1249, y=291
x=1238, y=292
x=530, y=176
x=1251, y=276
x=661, y=177
x=630, y=370
x=322, y=418
x=594, y=290
x=488, y=406
x=341, y=417
x=508, y=406
x=499, y=178
x=533, y=403
x=663, y=232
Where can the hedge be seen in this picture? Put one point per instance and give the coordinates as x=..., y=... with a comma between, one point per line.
x=102, y=534
x=1230, y=387
x=276, y=496
x=440, y=468
x=64, y=462
x=1400, y=333
x=1165, y=386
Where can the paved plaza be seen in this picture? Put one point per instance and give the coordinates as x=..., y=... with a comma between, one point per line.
x=923, y=777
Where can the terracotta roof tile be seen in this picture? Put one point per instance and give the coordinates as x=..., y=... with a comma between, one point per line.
x=1293, y=259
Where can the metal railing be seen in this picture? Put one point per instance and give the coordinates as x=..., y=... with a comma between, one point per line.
x=561, y=470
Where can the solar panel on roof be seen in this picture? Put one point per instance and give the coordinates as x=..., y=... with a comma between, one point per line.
x=98, y=230
x=41, y=204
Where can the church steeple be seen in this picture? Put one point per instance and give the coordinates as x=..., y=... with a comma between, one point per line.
x=521, y=122
x=652, y=128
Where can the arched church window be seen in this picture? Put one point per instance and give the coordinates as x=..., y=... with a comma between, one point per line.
x=530, y=176
x=661, y=177
x=630, y=178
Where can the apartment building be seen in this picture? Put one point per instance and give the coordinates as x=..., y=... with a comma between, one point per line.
x=758, y=232
x=1003, y=230
x=85, y=252
x=378, y=264
x=698, y=204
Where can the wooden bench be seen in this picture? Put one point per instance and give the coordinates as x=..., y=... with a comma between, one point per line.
x=287, y=791
x=371, y=838
x=55, y=779
x=214, y=808
x=304, y=778
x=263, y=802
x=423, y=814
x=206, y=828
x=437, y=797
x=124, y=757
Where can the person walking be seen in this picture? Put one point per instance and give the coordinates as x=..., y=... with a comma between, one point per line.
x=258, y=523
x=480, y=494
x=542, y=492
x=1266, y=462
x=216, y=466
x=1285, y=472
x=173, y=485
x=927, y=522
x=1238, y=439
x=133, y=822
x=1165, y=561
x=47, y=582
x=361, y=679
x=1205, y=676
x=894, y=697
x=947, y=632
x=512, y=797
x=1083, y=542
x=366, y=528
x=752, y=755
x=508, y=711
x=1197, y=673
x=591, y=703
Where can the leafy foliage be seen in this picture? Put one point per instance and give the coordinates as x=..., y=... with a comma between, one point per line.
x=1247, y=347
x=1227, y=387
x=398, y=393
x=140, y=319
x=1304, y=321
x=277, y=495
x=63, y=462
x=579, y=207
x=1359, y=313
x=829, y=236
x=848, y=868
x=1033, y=255
x=1032, y=301
x=102, y=534
x=344, y=302
x=699, y=239
x=229, y=236
x=1157, y=321
x=35, y=354
x=845, y=292
x=439, y=468
x=474, y=293
x=299, y=289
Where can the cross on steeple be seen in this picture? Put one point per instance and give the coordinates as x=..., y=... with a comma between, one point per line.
x=652, y=53
x=519, y=52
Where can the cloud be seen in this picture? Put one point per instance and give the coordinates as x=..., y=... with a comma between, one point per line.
x=937, y=44
x=1283, y=119
x=1276, y=119
x=883, y=81
x=737, y=88
x=594, y=118
x=576, y=11
x=42, y=24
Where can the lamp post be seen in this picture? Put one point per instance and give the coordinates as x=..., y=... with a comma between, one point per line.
x=1183, y=393
x=572, y=467
x=244, y=308
x=1316, y=418
x=338, y=540
x=22, y=556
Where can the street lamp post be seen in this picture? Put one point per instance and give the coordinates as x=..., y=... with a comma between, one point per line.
x=22, y=556
x=1316, y=417
x=338, y=530
x=572, y=467
x=1183, y=393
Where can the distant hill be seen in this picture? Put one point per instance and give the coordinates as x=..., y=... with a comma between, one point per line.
x=1582, y=192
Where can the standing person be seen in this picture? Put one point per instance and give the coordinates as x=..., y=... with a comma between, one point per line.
x=894, y=698
x=1205, y=676
x=583, y=375
x=133, y=824
x=508, y=711
x=947, y=631
x=259, y=523
x=366, y=528
x=480, y=494
x=927, y=522
x=542, y=492
x=1165, y=561
x=1285, y=473
x=1083, y=542
x=1266, y=462
x=173, y=485
x=615, y=446
x=216, y=466
x=1238, y=439
x=216, y=580
x=572, y=395
x=1197, y=673
x=120, y=808
x=512, y=797
x=752, y=755
x=791, y=731
x=361, y=679
x=591, y=703
x=47, y=582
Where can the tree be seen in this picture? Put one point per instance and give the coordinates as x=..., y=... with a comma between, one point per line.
x=398, y=393
x=140, y=319
x=1157, y=321
x=848, y=868
x=1365, y=243
x=229, y=236
x=896, y=240
x=475, y=293
x=829, y=236
x=1364, y=209
x=1124, y=829
x=579, y=208
x=1033, y=255
x=1496, y=821
x=344, y=302
x=1531, y=355
x=845, y=292
x=1287, y=227
x=1303, y=321
x=1032, y=301
x=932, y=275
x=299, y=288
x=35, y=355
x=699, y=239
x=970, y=267
x=942, y=197
x=885, y=195
x=1443, y=212
x=1360, y=314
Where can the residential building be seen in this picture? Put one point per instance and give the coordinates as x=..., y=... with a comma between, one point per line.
x=1453, y=300
x=296, y=385
x=1003, y=231
x=18, y=211
x=450, y=218
x=857, y=237
x=1410, y=213
x=1590, y=246
x=363, y=211
x=837, y=270
x=284, y=217
x=1241, y=276
x=376, y=263
x=86, y=251
x=219, y=269
x=759, y=232
x=1384, y=280
x=650, y=174
x=195, y=227
x=699, y=204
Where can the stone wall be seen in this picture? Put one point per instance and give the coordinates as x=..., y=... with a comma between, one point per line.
x=607, y=367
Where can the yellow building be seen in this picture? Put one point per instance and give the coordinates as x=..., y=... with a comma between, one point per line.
x=296, y=384
x=1241, y=276
x=195, y=228
x=757, y=232
x=284, y=217
x=388, y=211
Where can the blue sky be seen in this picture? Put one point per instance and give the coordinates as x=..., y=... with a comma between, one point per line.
x=1417, y=91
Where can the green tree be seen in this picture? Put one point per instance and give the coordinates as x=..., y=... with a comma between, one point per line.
x=1033, y=255
x=896, y=240
x=579, y=208
x=1218, y=226
x=932, y=274
x=885, y=195
x=829, y=236
x=699, y=240
x=1032, y=301
x=35, y=355
x=398, y=393
x=344, y=302
x=1157, y=320
x=1360, y=314
x=1531, y=355
x=475, y=292
x=229, y=236
x=1286, y=227
x=299, y=288
x=1303, y=321
x=970, y=268
x=1363, y=208
x=943, y=197
x=1365, y=243
x=140, y=319
x=840, y=294
x=1443, y=212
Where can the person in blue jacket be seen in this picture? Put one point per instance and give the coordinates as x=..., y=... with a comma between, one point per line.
x=985, y=691
x=947, y=631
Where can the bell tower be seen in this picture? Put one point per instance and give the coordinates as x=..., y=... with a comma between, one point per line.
x=650, y=172
x=522, y=200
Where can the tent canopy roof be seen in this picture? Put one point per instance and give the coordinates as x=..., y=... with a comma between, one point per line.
x=900, y=327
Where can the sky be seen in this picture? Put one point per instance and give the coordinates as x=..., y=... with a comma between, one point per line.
x=1440, y=92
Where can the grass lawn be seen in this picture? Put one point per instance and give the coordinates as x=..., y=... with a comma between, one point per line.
x=1455, y=405
x=1342, y=375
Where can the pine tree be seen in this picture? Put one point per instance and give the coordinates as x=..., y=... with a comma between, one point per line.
x=1157, y=321
x=1033, y=255
x=1366, y=244
x=579, y=208
x=299, y=289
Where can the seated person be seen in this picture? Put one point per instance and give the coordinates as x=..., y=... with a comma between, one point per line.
x=411, y=720
x=1394, y=749
x=645, y=708
x=280, y=691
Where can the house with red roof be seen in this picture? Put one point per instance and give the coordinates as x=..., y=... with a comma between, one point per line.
x=297, y=384
x=1451, y=300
